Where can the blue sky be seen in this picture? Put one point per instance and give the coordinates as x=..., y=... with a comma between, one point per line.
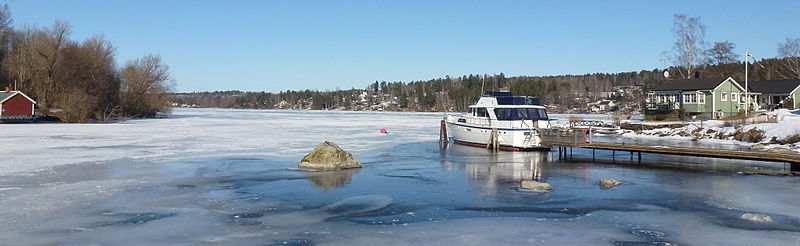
x=280, y=45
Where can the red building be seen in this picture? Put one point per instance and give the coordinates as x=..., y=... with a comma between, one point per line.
x=15, y=104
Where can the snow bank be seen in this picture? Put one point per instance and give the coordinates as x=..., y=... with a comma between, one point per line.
x=715, y=131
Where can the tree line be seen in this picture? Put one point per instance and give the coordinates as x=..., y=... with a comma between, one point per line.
x=79, y=80
x=691, y=56
x=457, y=93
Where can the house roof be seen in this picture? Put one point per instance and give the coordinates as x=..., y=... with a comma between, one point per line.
x=689, y=84
x=774, y=86
x=5, y=95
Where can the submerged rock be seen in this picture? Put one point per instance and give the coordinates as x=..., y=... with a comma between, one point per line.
x=535, y=185
x=609, y=183
x=328, y=156
x=761, y=218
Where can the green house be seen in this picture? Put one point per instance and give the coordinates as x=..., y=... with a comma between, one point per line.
x=697, y=98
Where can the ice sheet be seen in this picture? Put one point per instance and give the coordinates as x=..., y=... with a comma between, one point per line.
x=227, y=177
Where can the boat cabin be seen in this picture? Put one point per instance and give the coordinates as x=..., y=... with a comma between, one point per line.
x=504, y=106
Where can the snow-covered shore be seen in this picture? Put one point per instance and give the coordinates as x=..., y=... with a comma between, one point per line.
x=780, y=136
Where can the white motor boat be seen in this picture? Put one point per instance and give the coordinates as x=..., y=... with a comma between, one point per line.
x=515, y=122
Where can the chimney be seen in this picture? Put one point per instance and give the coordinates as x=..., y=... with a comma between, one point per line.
x=8, y=88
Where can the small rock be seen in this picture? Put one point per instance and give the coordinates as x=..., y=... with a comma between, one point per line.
x=760, y=218
x=328, y=156
x=535, y=185
x=609, y=183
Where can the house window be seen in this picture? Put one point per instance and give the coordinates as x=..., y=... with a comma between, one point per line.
x=742, y=98
x=733, y=96
x=763, y=100
x=724, y=97
x=701, y=98
x=690, y=98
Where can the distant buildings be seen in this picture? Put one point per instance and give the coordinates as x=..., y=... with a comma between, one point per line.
x=603, y=106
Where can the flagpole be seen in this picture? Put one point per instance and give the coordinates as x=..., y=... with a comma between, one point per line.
x=746, y=94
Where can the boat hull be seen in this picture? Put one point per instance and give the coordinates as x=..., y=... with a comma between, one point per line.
x=508, y=139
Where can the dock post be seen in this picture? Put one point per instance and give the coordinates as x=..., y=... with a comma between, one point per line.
x=794, y=167
x=494, y=142
x=640, y=158
x=613, y=155
x=593, y=155
x=631, y=157
x=560, y=152
x=443, y=139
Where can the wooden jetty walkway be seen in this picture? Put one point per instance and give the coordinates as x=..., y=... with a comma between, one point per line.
x=564, y=143
x=566, y=140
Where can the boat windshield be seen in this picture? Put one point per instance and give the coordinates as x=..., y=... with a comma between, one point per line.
x=520, y=114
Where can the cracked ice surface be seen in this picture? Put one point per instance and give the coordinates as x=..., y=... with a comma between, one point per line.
x=213, y=176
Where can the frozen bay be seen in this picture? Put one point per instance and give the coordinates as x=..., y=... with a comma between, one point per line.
x=215, y=176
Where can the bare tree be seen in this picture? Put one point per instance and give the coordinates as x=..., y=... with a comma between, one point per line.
x=35, y=60
x=6, y=34
x=720, y=57
x=789, y=52
x=689, y=43
x=721, y=53
x=145, y=86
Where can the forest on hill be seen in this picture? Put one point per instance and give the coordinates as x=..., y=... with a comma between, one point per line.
x=456, y=93
x=691, y=56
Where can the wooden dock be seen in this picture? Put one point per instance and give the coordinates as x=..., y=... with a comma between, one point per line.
x=580, y=140
x=565, y=140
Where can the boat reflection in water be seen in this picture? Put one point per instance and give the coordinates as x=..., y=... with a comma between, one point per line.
x=494, y=171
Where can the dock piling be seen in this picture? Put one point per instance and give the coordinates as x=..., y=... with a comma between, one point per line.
x=640, y=157
x=443, y=139
x=613, y=155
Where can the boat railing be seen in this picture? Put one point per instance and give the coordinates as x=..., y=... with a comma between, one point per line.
x=563, y=137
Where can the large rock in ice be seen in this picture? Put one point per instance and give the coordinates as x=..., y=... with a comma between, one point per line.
x=609, y=183
x=328, y=156
x=760, y=218
x=535, y=185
